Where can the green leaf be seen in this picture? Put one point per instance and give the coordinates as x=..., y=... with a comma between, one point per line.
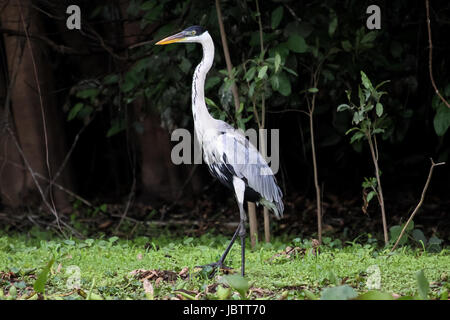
x=277, y=62
x=357, y=136
x=422, y=285
x=39, y=284
x=346, y=45
x=379, y=109
x=394, y=232
x=250, y=74
x=410, y=226
x=369, y=37
x=313, y=90
x=371, y=195
x=362, y=97
x=211, y=82
x=262, y=72
x=434, y=244
x=277, y=16
x=441, y=120
x=357, y=117
x=290, y=71
x=74, y=111
x=419, y=236
x=297, y=44
x=110, y=79
x=382, y=83
x=238, y=283
x=365, y=81
x=333, y=25
x=251, y=89
x=209, y=102
x=147, y=5
x=116, y=127
x=375, y=295
x=88, y=93
x=223, y=293
x=343, y=107
x=275, y=82
x=344, y=292
x=185, y=65
x=241, y=108
x=377, y=130
x=113, y=239
x=309, y=294
x=284, y=85
x=351, y=129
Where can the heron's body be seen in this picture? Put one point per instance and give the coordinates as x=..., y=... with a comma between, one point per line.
x=231, y=158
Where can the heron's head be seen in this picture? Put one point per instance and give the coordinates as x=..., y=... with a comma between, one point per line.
x=191, y=34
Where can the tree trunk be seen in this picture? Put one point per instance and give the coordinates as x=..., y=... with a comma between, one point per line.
x=33, y=114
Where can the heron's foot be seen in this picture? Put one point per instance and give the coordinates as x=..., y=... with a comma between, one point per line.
x=211, y=268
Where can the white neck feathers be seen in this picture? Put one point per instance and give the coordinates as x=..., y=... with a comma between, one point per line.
x=199, y=109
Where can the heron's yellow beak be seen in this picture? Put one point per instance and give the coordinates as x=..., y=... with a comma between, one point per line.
x=172, y=39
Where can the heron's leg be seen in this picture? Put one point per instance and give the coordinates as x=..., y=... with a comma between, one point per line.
x=239, y=189
x=220, y=264
x=224, y=255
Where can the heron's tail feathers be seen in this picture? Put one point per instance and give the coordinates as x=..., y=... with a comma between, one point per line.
x=275, y=207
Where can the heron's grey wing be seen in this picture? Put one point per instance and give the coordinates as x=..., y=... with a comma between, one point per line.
x=245, y=161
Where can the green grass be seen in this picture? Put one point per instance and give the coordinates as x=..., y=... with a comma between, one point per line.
x=104, y=267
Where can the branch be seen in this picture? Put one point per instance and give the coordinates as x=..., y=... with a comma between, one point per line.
x=226, y=53
x=430, y=61
x=420, y=202
x=40, y=176
x=56, y=47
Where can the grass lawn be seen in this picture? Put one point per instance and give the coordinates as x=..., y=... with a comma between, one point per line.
x=102, y=269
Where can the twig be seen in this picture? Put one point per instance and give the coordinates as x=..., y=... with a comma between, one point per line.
x=430, y=61
x=56, y=47
x=422, y=197
x=263, y=120
x=129, y=202
x=311, y=107
x=380, y=190
x=69, y=153
x=38, y=186
x=40, y=176
x=226, y=53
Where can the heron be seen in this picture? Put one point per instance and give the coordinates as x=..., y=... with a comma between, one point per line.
x=230, y=156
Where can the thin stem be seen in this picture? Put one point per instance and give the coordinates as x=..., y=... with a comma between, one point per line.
x=261, y=41
x=316, y=179
x=422, y=197
x=430, y=55
x=226, y=53
x=262, y=126
x=380, y=191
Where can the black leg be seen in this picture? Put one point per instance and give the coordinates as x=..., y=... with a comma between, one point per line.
x=219, y=264
x=242, y=235
x=224, y=255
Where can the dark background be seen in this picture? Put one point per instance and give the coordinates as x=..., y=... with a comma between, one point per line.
x=111, y=108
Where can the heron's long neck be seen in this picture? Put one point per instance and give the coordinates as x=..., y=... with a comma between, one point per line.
x=199, y=109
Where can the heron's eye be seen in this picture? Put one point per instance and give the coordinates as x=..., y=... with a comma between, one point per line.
x=193, y=32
